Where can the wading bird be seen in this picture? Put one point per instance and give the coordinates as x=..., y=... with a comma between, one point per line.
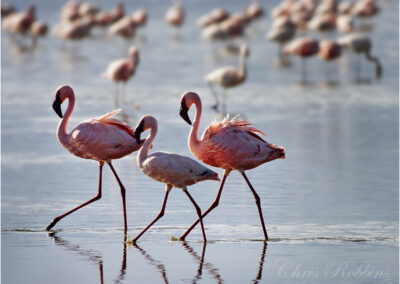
x=121, y=70
x=171, y=169
x=230, y=145
x=101, y=139
x=228, y=77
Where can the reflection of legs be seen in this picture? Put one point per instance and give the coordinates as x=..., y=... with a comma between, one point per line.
x=198, y=211
x=122, y=195
x=258, y=203
x=215, y=96
x=97, y=197
x=261, y=264
x=213, y=205
x=167, y=190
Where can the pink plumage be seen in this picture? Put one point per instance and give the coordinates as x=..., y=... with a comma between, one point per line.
x=231, y=145
x=101, y=139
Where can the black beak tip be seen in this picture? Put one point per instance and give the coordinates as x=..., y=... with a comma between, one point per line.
x=183, y=112
x=57, y=106
x=137, y=132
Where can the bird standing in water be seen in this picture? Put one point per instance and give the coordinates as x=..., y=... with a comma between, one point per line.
x=102, y=139
x=171, y=169
x=230, y=145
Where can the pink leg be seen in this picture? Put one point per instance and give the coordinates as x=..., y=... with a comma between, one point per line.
x=257, y=199
x=123, y=196
x=97, y=197
x=167, y=190
x=198, y=210
x=213, y=205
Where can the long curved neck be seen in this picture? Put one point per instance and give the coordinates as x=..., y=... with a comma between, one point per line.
x=378, y=67
x=194, y=141
x=242, y=65
x=144, y=150
x=62, y=126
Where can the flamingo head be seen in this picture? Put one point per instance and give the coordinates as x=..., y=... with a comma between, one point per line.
x=62, y=93
x=145, y=123
x=187, y=100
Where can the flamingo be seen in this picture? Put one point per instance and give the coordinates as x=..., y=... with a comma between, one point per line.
x=283, y=30
x=328, y=51
x=171, y=169
x=254, y=11
x=214, y=17
x=101, y=139
x=139, y=17
x=230, y=145
x=20, y=23
x=121, y=70
x=304, y=47
x=361, y=44
x=175, y=15
x=228, y=77
x=38, y=29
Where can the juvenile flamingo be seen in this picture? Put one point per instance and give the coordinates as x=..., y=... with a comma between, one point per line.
x=228, y=77
x=101, y=139
x=171, y=169
x=121, y=70
x=230, y=145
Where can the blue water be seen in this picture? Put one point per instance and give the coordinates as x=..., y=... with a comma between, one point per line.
x=331, y=208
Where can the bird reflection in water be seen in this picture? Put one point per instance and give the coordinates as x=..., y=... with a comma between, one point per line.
x=160, y=267
x=91, y=256
x=213, y=271
x=261, y=264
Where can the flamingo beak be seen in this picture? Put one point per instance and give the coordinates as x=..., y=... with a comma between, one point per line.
x=183, y=112
x=57, y=105
x=139, y=129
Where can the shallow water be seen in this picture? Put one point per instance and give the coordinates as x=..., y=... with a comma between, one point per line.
x=331, y=208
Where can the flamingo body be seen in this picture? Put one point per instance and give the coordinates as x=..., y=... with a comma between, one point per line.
x=169, y=168
x=175, y=15
x=234, y=144
x=226, y=77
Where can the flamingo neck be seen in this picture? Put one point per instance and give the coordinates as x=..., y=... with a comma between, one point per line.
x=62, y=134
x=242, y=65
x=144, y=150
x=194, y=141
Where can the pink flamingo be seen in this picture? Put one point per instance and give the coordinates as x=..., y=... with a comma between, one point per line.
x=101, y=139
x=304, y=47
x=254, y=11
x=328, y=51
x=230, y=145
x=214, y=17
x=175, y=15
x=139, y=17
x=228, y=77
x=121, y=70
x=20, y=23
x=171, y=169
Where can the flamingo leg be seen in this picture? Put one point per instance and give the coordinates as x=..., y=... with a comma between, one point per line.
x=167, y=190
x=213, y=205
x=198, y=211
x=215, y=96
x=122, y=195
x=303, y=71
x=97, y=197
x=258, y=203
x=116, y=96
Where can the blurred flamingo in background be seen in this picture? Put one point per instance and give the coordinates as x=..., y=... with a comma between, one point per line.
x=230, y=145
x=328, y=51
x=175, y=14
x=101, y=139
x=171, y=169
x=228, y=77
x=361, y=44
x=304, y=47
x=121, y=70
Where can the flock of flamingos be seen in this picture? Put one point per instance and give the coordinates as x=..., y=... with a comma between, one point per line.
x=229, y=144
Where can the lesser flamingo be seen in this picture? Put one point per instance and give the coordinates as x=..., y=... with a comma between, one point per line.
x=101, y=139
x=121, y=70
x=171, y=169
x=230, y=145
x=361, y=44
x=304, y=47
x=228, y=77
